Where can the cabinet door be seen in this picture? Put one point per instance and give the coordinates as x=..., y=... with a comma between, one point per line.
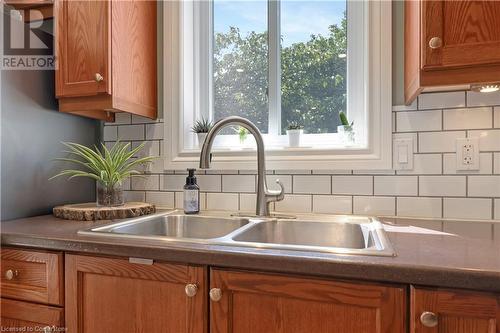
x=83, y=47
x=447, y=311
x=252, y=302
x=113, y=295
x=20, y=316
x=460, y=33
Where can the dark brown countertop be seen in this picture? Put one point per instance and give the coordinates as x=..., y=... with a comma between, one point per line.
x=422, y=259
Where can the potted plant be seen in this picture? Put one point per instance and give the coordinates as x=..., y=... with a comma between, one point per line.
x=242, y=134
x=294, y=131
x=346, y=129
x=201, y=128
x=108, y=167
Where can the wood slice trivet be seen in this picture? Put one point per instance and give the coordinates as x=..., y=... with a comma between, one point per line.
x=91, y=212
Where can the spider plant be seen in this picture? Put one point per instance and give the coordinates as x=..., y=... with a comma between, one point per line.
x=109, y=167
x=202, y=126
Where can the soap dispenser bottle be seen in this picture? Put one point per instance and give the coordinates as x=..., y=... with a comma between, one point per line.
x=191, y=194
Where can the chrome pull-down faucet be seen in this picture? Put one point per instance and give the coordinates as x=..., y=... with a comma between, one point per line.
x=264, y=195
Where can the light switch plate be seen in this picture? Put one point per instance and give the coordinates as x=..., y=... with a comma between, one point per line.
x=402, y=153
x=467, y=154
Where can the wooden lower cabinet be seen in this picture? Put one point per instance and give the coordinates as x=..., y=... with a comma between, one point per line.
x=20, y=316
x=114, y=295
x=253, y=302
x=454, y=311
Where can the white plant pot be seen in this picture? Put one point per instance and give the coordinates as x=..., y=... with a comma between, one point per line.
x=201, y=138
x=347, y=135
x=294, y=137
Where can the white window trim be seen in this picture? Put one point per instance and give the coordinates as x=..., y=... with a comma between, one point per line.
x=376, y=87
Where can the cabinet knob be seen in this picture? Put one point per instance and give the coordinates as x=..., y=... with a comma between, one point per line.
x=435, y=42
x=11, y=274
x=98, y=77
x=191, y=289
x=215, y=294
x=429, y=319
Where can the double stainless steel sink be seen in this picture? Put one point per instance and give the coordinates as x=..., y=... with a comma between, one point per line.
x=333, y=234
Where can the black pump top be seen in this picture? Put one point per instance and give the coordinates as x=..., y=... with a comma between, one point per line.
x=191, y=178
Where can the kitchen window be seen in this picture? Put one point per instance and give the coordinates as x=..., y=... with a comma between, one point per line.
x=279, y=63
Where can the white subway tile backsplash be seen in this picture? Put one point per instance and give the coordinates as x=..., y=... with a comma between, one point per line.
x=312, y=184
x=450, y=164
x=121, y=118
x=151, y=148
x=482, y=99
x=238, y=183
x=368, y=205
x=489, y=140
x=497, y=214
x=134, y=196
x=455, y=119
x=154, y=131
x=360, y=185
x=161, y=199
x=442, y=186
x=496, y=117
x=467, y=208
x=223, y=201
x=483, y=186
x=330, y=204
x=424, y=164
x=441, y=100
x=479, y=230
x=142, y=120
x=295, y=203
x=432, y=189
x=248, y=202
x=413, y=121
x=110, y=133
x=419, y=207
x=131, y=132
x=395, y=185
x=496, y=163
x=438, y=142
x=286, y=180
x=146, y=183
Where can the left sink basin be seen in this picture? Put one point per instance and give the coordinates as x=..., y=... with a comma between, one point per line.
x=173, y=226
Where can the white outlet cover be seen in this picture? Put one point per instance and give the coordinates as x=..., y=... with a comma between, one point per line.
x=467, y=154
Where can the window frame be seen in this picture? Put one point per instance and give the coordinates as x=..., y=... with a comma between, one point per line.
x=374, y=89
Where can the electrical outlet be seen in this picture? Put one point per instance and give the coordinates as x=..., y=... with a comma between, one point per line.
x=468, y=154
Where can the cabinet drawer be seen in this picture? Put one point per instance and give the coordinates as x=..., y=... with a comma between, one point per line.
x=32, y=276
x=18, y=316
x=454, y=311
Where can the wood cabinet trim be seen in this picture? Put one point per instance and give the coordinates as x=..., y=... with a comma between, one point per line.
x=19, y=313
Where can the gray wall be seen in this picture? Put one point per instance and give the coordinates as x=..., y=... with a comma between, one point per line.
x=31, y=133
x=398, y=52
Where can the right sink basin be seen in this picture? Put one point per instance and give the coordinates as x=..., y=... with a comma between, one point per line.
x=344, y=236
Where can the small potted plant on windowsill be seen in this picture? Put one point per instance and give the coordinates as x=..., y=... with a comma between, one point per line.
x=346, y=130
x=294, y=132
x=201, y=128
x=108, y=167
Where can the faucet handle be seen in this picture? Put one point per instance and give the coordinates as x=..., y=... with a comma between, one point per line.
x=276, y=195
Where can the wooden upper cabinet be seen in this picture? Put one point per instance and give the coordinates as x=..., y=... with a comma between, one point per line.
x=106, y=55
x=83, y=48
x=452, y=311
x=109, y=295
x=244, y=302
x=450, y=44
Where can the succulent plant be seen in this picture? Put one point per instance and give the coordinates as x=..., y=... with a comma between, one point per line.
x=202, y=126
x=293, y=125
x=344, y=121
